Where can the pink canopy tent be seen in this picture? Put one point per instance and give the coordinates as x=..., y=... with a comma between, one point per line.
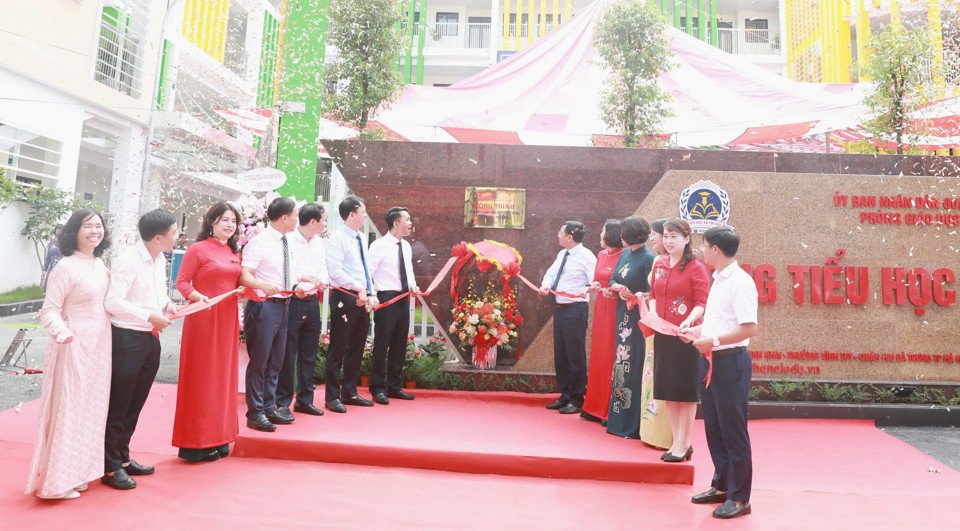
x=549, y=94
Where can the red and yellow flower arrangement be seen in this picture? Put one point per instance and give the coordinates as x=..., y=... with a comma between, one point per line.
x=486, y=322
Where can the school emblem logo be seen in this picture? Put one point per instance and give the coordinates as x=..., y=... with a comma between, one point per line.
x=704, y=205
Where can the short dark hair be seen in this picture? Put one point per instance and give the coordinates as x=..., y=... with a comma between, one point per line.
x=575, y=229
x=310, y=212
x=657, y=226
x=394, y=215
x=611, y=233
x=280, y=207
x=154, y=223
x=634, y=230
x=725, y=239
x=68, y=236
x=213, y=215
x=349, y=204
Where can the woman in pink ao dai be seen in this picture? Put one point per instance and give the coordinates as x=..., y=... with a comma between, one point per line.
x=77, y=365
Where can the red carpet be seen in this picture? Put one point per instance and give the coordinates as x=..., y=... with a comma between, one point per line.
x=808, y=475
x=487, y=433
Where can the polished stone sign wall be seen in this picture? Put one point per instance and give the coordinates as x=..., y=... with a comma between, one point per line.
x=855, y=255
x=856, y=273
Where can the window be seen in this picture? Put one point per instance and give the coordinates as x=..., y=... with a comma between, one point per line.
x=448, y=24
x=28, y=157
x=523, y=25
x=694, y=26
x=756, y=30
x=416, y=23
x=121, y=48
x=548, y=22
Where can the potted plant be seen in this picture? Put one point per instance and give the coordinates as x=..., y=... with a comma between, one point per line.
x=424, y=362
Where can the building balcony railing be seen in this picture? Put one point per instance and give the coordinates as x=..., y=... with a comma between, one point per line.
x=739, y=41
x=476, y=35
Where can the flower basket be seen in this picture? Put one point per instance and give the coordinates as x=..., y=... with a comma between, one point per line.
x=485, y=325
x=485, y=360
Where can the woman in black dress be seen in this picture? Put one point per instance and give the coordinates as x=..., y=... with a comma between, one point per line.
x=629, y=277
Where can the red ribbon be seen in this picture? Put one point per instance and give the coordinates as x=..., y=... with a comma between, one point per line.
x=252, y=294
x=655, y=323
x=555, y=292
x=195, y=307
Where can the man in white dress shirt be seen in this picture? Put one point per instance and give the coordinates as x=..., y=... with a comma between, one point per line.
x=267, y=266
x=349, y=270
x=138, y=304
x=570, y=273
x=303, y=323
x=729, y=321
x=391, y=268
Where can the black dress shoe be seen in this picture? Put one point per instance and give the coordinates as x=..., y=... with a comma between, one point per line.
x=710, y=496
x=381, y=399
x=120, y=480
x=357, y=401
x=569, y=409
x=260, y=423
x=670, y=458
x=336, y=406
x=136, y=469
x=401, y=394
x=277, y=417
x=730, y=509
x=211, y=457
x=309, y=409
x=587, y=416
x=556, y=405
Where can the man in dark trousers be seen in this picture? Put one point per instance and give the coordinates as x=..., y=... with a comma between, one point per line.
x=138, y=304
x=267, y=266
x=729, y=321
x=570, y=273
x=391, y=269
x=303, y=322
x=349, y=309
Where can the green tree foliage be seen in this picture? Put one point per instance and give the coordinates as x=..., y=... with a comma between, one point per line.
x=630, y=39
x=9, y=191
x=369, y=40
x=900, y=66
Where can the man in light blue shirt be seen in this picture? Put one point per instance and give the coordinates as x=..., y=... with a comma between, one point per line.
x=570, y=273
x=350, y=312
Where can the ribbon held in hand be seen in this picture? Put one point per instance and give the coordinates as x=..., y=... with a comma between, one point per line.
x=658, y=324
x=555, y=292
x=195, y=307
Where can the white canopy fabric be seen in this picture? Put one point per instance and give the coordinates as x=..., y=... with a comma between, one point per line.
x=549, y=94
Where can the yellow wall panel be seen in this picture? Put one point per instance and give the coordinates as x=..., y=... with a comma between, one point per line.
x=205, y=25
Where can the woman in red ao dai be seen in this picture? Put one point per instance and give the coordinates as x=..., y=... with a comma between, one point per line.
x=679, y=296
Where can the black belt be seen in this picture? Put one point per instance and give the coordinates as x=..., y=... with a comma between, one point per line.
x=278, y=300
x=389, y=293
x=729, y=351
x=568, y=304
x=307, y=297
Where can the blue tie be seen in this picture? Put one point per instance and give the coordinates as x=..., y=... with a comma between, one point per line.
x=366, y=273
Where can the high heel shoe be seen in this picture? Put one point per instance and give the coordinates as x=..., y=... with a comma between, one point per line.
x=670, y=458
